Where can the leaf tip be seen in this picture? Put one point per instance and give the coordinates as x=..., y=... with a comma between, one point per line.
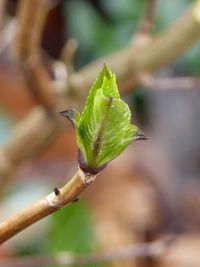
x=104, y=65
x=139, y=136
x=67, y=113
x=71, y=114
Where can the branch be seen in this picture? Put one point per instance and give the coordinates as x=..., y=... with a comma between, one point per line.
x=68, y=53
x=146, y=24
x=2, y=10
x=64, y=67
x=31, y=19
x=153, y=249
x=7, y=34
x=45, y=206
x=23, y=143
x=183, y=83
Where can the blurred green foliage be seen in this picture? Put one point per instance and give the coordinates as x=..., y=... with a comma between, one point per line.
x=72, y=230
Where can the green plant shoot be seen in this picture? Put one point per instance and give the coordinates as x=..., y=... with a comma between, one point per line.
x=104, y=128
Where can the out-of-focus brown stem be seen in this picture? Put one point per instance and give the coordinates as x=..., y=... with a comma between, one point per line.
x=31, y=19
x=2, y=9
x=146, y=24
x=40, y=83
x=68, y=52
x=45, y=206
x=181, y=83
x=25, y=141
x=131, y=252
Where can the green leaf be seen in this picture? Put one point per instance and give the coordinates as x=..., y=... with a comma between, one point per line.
x=117, y=132
x=107, y=81
x=73, y=115
x=105, y=73
x=104, y=130
x=107, y=130
x=72, y=230
x=109, y=87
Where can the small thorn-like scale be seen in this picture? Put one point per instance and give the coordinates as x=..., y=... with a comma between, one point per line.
x=66, y=113
x=56, y=191
x=140, y=136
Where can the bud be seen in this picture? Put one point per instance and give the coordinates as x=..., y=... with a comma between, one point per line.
x=103, y=130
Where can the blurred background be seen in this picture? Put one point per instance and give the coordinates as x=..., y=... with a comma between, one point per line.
x=152, y=190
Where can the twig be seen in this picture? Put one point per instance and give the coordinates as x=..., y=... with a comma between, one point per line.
x=60, y=81
x=7, y=34
x=40, y=83
x=146, y=24
x=27, y=138
x=64, y=67
x=3, y=4
x=2, y=10
x=31, y=19
x=68, y=53
x=45, y=206
x=183, y=83
x=153, y=249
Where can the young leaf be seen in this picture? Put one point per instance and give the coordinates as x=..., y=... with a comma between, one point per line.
x=103, y=130
x=105, y=73
x=73, y=115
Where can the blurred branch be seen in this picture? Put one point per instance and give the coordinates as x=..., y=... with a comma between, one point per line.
x=2, y=10
x=64, y=67
x=28, y=137
x=182, y=83
x=146, y=23
x=61, y=74
x=7, y=34
x=45, y=206
x=31, y=19
x=68, y=53
x=153, y=249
